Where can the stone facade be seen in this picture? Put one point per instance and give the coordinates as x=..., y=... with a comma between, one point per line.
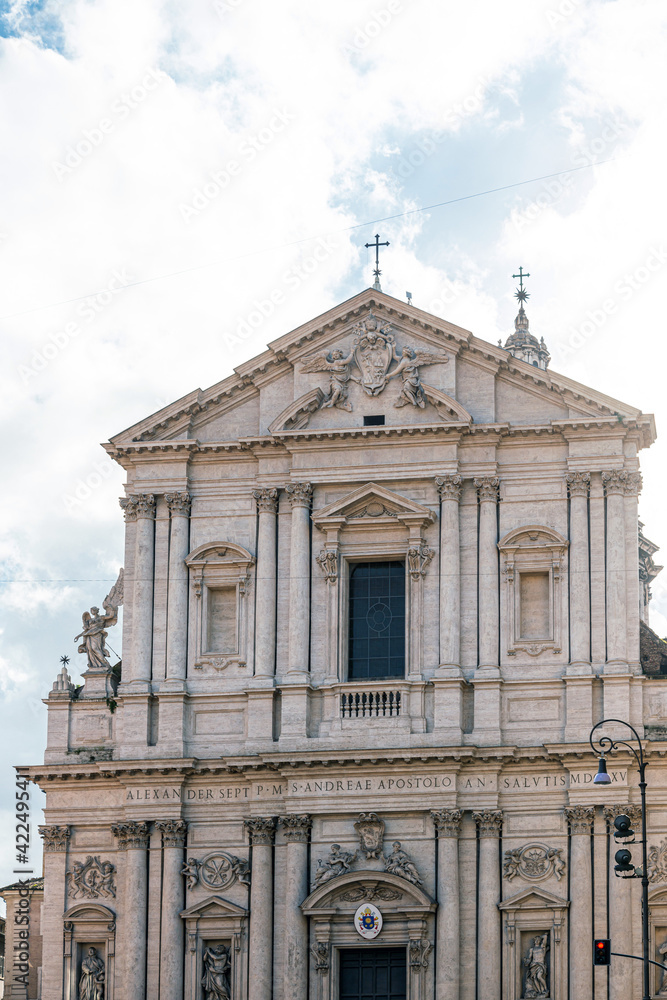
x=243, y=797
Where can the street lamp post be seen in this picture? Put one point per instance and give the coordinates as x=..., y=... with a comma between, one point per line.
x=607, y=745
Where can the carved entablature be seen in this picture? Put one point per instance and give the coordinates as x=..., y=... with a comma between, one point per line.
x=138, y=505
x=532, y=562
x=219, y=581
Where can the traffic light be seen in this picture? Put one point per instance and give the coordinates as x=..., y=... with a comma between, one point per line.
x=624, y=834
x=624, y=830
x=601, y=951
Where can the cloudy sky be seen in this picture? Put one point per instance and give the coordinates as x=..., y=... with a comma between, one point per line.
x=169, y=167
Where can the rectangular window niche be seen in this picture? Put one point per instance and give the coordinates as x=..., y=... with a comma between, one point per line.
x=532, y=559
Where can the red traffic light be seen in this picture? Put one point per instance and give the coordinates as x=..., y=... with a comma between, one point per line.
x=601, y=951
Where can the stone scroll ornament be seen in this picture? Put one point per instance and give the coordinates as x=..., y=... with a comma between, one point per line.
x=92, y=878
x=95, y=627
x=373, y=352
x=534, y=862
x=216, y=871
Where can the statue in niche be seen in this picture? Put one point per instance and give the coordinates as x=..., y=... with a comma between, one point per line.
x=91, y=983
x=662, y=951
x=337, y=365
x=409, y=362
x=215, y=981
x=338, y=863
x=536, y=981
x=95, y=628
x=398, y=863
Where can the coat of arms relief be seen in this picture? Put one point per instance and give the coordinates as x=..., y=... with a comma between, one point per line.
x=373, y=351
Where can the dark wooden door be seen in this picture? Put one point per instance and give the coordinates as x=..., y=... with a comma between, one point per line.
x=372, y=974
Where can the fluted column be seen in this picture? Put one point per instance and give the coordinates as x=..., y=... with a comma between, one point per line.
x=55, y=839
x=296, y=830
x=173, y=832
x=620, y=903
x=614, y=488
x=133, y=838
x=578, y=484
x=488, y=822
x=265, y=591
x=299, y=496
x=177, y=621
x=448, y=826
x=449, y=488
x=487, y=492
x=261, y=831
x=580, y=819
x=140, y=507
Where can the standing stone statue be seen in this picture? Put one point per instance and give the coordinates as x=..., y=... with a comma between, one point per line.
x=95, y=625
x=215, y=981
x=536, y=984
x=662, y=951
x=91, y=983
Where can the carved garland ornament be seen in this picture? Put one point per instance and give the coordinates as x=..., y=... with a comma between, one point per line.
x=534, y=862
x=91, y=878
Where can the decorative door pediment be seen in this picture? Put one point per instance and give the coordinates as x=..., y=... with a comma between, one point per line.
x=375, y=503
x=346, y=892
x=214, y=907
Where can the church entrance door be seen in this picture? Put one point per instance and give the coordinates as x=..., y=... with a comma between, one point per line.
x=372, y=974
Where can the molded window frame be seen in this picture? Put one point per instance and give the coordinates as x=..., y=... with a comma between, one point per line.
x=213, y=566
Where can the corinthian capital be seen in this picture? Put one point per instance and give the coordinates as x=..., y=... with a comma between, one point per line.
x=449, y=487
x=261, y=829
x=138, y=505
x=578, y=483
x=620, y=482
x=299, y=494
x=634, y=813
x=487, y=488
x=580, y=819
x=296, y=828
x=55, y=838
x=447, y=822
x=178, y=504
x=131, y=834
x=173, y=832
x=489, y=822
x=266, y=500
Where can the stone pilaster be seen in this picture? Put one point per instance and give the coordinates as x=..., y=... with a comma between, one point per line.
x=621, y=902
x=133, y=838
x=56, y=839
x=614, y=487
x=489, y=822
x=179, y=545
x=449, y=488
x=299, y=496
x=486, y=731
x=174, y=832
x=296, y=829
x=261, y=830
x=265, y=614
x=579, y=675
x=140, y=507
x=448, y=827
x=580, y=819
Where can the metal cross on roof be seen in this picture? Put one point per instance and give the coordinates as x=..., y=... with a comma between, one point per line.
x=521, y=294
x=377, y=272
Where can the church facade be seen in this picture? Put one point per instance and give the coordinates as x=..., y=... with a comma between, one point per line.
x=379, y=584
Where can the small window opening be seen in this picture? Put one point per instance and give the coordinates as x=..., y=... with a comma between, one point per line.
x=374, y=420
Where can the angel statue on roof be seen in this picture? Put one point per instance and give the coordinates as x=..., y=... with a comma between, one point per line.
x=409, y=363
x=95, y=627
x=338, y=367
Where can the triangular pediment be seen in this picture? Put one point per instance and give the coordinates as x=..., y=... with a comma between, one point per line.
x=214, y=906
x=457, y=375
x=534, y=899
x=374, y=502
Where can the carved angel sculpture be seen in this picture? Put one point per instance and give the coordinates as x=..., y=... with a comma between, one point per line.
x=337, y=365
x=95, y=628
x=409, y=363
